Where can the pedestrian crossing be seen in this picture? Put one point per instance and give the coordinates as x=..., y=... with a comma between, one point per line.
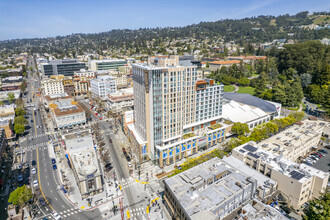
x=37, y=136
x=127, y=183
x=40, y=146
x=136, y=212
x=66, y=213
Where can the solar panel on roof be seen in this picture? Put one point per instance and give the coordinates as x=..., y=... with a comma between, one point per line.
x=296, y=175
x=253, y=155
x=241, y=150
x=250, y=148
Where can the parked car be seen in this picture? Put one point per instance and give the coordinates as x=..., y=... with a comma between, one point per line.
x=33, y=171
x=42, y=201
x=53, y=161
x=56, y=216
x=129, y=164
x=34, y=163
x=323, y=151
x=35, y=183
x=54, y=167
x=20, y=177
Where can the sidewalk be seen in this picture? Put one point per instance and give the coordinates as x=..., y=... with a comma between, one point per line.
x=149, y=170
x=108, y=198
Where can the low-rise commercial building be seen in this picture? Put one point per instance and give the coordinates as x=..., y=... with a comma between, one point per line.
x=249, y=109
x=66, y=114
x=81, y=85
x=298, y=183
x=256, y=210
x=128, y=119
x=247, y=59
x=95, y=65
x=266, y=187
x=296, y=141
x=122, y=99
x=48, y=99
x=7, y=115
x=211, y=190
x=12, y=79
x=4, y=94
x=52, y=86
x=61, y=67
x=103, y=86
x=216, y=65
x=68, y=85
x=120, y=77
x=83, y=160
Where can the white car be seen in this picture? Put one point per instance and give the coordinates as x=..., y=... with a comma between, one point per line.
x=35, y=183
x=129, y=164
x=56, y=216
x=33, y=171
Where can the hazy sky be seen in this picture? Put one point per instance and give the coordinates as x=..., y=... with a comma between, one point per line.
x=45, y=18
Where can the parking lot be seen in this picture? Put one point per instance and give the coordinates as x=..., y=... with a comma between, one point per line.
x=323, y=163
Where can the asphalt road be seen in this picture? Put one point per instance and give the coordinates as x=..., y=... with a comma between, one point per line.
x=134, y=197
x=36, y=149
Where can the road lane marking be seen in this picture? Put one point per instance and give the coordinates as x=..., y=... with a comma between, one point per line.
x=42, y=192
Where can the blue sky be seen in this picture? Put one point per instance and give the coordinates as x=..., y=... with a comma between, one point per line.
x=45, y=18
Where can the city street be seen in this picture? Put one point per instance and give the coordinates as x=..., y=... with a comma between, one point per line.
x=136, y=196
x=35, y=145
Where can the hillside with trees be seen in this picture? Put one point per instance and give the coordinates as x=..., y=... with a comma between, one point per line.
x=204, y=36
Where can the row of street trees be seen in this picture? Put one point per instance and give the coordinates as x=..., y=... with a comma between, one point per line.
x=261, y=132
x=20, y=121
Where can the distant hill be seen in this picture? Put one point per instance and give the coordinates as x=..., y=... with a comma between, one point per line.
x=254, y=29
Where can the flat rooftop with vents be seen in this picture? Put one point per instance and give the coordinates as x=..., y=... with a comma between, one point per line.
x=296, y=141
x=297, y=182
x=211, y=190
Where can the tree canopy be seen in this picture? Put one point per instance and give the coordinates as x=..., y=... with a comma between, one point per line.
x=240, y=128
x=20, y=112
x=318, y=208
x=20, y=196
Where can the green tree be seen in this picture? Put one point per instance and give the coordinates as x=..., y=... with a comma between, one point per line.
x=243, y=81
x=19, y=102
x=279, y=94
x=306, y=79
x=20, y=196
x=20, y=120
x=19, y=128
x=20, y=112
x=258, y=134
x=23, y=85
x=298, y=116
x=319, y=208
x=268, y=95
x=240, y=128
x=271, y=128
x=261, y=84
x=11, y=97
x=224, y=70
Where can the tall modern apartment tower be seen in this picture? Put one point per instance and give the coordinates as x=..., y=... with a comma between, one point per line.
x=171, y=105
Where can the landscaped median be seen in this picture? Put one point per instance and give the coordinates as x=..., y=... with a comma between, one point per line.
x=191, y=162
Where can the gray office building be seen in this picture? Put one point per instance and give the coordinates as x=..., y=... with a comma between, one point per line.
x=211, y=190
x=62, y=67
